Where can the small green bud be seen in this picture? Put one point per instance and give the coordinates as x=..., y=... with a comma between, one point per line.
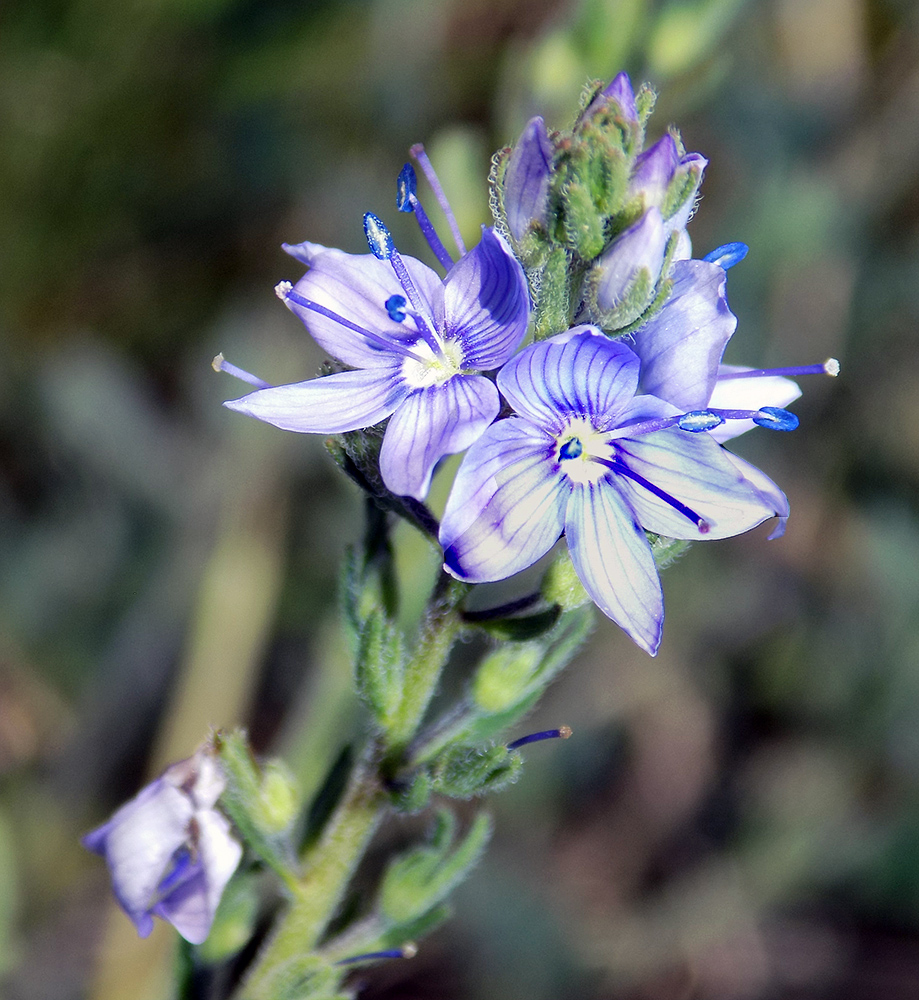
x=551, y=295
x=380, y=667
x=666, y=550
x=584, y=226
x=504, y=676
x=414, y=795
x=561, y=584
x=645, y=100
x=421, y=879
x=279, y=796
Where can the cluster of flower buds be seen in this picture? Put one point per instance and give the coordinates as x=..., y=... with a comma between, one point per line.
x=593, y=201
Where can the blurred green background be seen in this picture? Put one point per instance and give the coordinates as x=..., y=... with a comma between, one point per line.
x=736, y=819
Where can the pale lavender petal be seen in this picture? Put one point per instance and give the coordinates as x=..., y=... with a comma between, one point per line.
x=356, y=287
x=748, y=394
x=190, y=908
x=486, y=303
x=580, y=373
x=654, y=170
x=681, y=346
x=431, y=423
x=770, y=493
x=640, y=247
x=507, y=505
x=138, y=844
x=331, y=404
x=611, y=555
x=526, y=180
x=694, y=164
x=697, y=472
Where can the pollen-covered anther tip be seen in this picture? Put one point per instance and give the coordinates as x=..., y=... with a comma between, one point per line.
x=831, y=367
x=282, y=289
x=564, y=732
x=217, y=363
x=409, y=949
x=704, y=527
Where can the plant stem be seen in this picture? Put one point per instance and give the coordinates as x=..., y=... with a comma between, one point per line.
x=328, y=866
x=437, y=635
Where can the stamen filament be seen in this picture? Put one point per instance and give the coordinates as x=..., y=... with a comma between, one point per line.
x=220, y=364
x=408, y=950
x=421, y=158
x=623, y=470
x=430, y=234
x=562, y=733
x=286, y=293
x=425, y=324
x=829, y=367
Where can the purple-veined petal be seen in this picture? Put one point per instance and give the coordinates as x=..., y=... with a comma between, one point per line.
x=697, y=472
x=681, y=346
x=138, y=844
x=580, y=373
x=486, y=303
x=356, y=287
x=191, y=906
x=768, y=490
x=507, y=505
x=331, y=404
x=612, y=557
x=431, y=423
x=526, y=180
x=748, y=394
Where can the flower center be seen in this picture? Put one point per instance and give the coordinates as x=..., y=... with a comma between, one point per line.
x=431, y=368
x=577, y=449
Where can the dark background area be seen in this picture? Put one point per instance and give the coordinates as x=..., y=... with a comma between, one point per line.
x=737, y=819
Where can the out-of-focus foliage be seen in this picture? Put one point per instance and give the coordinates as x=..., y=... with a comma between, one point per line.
x=738, y=818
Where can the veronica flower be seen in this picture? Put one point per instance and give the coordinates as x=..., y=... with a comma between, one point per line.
x=169, y=851
x=587, y=457
x=417, y=344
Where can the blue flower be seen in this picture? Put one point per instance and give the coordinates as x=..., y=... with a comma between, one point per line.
x=416, y=344
x=170, y=853
x=587, y=457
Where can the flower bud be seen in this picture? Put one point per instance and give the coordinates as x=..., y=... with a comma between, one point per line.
x=623, y=280
x=526, y=180
x=664, y=178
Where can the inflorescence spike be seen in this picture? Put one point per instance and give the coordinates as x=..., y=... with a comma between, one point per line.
x=562, y=733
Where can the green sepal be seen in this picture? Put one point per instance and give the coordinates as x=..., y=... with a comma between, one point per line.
x=551, y=314
x=379, y=667
x=262, y=803
x=561, y=584
x=306, y=977
x=462, y=772
x=412, y=793
x=645, y=99
x=234, y=921
x=666, y=550
x=420, y=880
x=584, y=226
x=520, y=628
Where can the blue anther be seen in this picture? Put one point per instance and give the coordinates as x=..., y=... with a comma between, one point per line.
x=775, y=418
x=395, y=306
x=572, y=448
x=699, y=420
x=406, y=185
x=378, y=237
x=728, y=255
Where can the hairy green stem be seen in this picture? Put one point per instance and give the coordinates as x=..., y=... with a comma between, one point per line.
x=438, y=632
x=328, y=866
